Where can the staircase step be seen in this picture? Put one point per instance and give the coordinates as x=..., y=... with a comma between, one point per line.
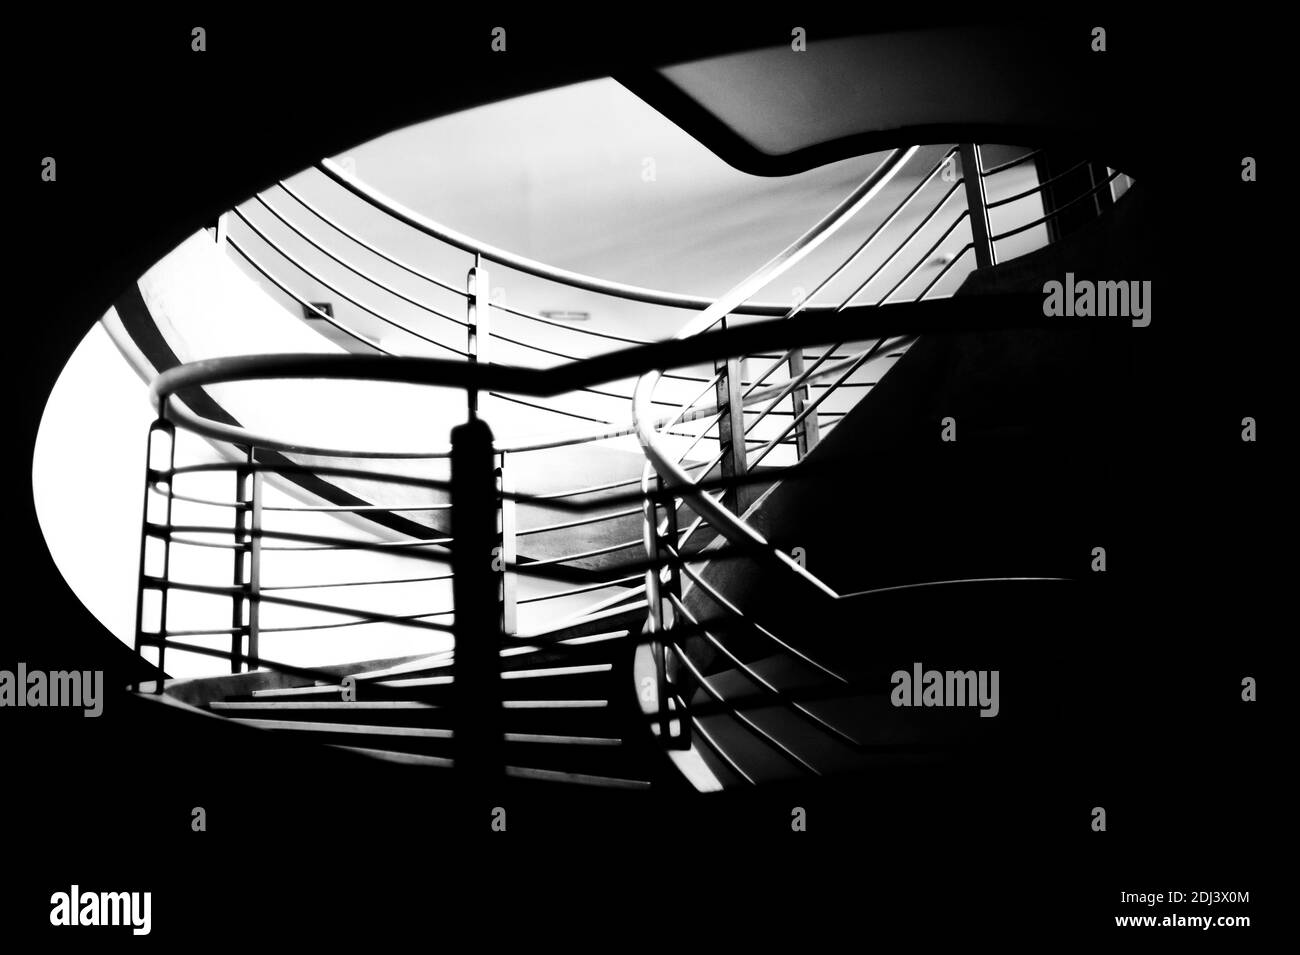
x=568, y=682
x=555, y=752
x=515, y=772
x=560, y=716
x=581, y=779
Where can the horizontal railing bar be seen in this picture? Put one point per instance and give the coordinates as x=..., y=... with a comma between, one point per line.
x=218, y=632
x=419, y=542
x=355, y=270
x=351, y=236
x=358, y=583
x=906, y=242
x=338, y=291
x=520, y=263
x=957, y=257
x=402, y=620
x=932, y=316
x=708, y=688
x=1038, y=188
x=968, y=313
x=1058, y=210
x=190, y=499
x=365, y=616
x=862, y=247
x=765, y=684
x=565, y=525
x=359, y=508
x=580, y=590
x=718, y=598
x=596, y=552
x=324, y=469
x=381, y=546
x=251, y=659
x=1001, y=167
x=794, y=384
x=320, y=314
x=160, y=529
x=551, y=409
x=923, y=259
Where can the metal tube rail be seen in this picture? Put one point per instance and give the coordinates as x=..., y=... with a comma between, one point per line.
x=339, y=543
x=925, y=257
x=1035, y=189
x=902, y=245
x=782, y=359
x=812, y=405
x=523, y=264
x=359, y=583
x=328, y=319
x=366, y=616
x=292, y=260
x=718, y=697
x=1010, y=163
x=766, y=687
x=737, y=531
x=351, y=236
x=354, y=269
x=1059, y=209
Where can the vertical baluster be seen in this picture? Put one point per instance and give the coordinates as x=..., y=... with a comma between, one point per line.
x=476, y=597
x=159, y=468
x=246, y=608
x=972, y=174
x=731, y=431
x=479, y=323
x=253, y=586
x=668, y=574
x=509, y=612
x=806, y=432
x=654, y=599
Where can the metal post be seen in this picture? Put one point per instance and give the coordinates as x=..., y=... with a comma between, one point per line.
x=655, y=622
x=806, y=432
x=731, y=431
x=509, y=612
x=1061, y=185
x=160, y=532
x=478, y=613
x=972, y=175
x=668, y=584
x=1103, y=198
x=248, y=564
x=478, y=322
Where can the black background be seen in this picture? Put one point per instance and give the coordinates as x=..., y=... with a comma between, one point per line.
x=152, y=140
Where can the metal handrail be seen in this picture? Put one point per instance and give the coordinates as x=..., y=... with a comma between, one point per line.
x=491, y=253
x=659, y=459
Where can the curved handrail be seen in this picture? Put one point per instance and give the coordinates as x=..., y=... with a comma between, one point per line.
x=659, y=459
x=393, y=369
x=522, y=263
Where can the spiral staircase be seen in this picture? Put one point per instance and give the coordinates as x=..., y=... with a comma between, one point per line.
x=717, y=583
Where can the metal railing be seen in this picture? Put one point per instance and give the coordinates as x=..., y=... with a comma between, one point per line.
x=678, y=677
x=782, y=406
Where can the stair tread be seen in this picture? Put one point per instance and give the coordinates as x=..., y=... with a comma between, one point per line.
x=367, y=729
x=517, y=772
x=288, y=705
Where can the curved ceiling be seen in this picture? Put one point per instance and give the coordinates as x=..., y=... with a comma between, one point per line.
x=776, y=111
